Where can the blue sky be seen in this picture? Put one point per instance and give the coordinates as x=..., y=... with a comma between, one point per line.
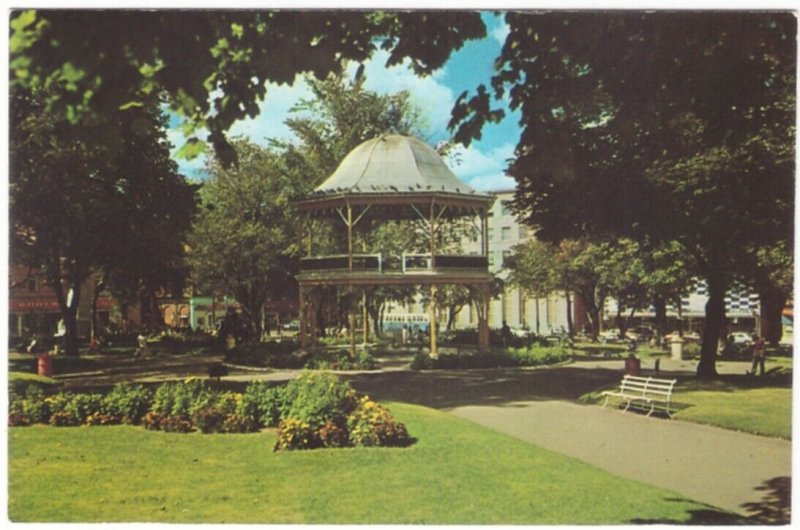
x=482, y=164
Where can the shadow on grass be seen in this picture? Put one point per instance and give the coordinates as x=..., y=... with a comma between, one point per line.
x=707, y=516
x=775, y=507
x=444, y=389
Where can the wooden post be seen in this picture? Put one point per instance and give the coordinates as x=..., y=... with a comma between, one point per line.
x=432, y=318
x=302, y=311
x=350, y=309
x=312, y=318
x=483, y=317
x=365, y=316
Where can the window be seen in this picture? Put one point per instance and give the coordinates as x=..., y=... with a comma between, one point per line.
x=490, y=234
x=505, y=233
x=491, y=259
x=504, y=208
x=506, y=254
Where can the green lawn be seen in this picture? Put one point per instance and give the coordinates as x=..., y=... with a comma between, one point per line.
x=759, y=410
x=750, y=404
x=456, y=473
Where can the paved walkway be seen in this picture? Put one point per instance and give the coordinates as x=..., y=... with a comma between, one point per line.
x=722, y=468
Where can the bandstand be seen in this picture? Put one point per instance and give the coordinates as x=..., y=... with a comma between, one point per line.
x=397, y=178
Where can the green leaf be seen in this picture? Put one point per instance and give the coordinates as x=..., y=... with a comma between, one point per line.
x=191, y=149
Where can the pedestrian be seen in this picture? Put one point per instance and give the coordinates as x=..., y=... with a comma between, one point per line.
x=141, y=346
x=404, y=334
x=420, y=339
x=759, y=356
x=505, y=331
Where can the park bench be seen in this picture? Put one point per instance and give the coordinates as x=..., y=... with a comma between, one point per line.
x=217, y=370
x=644, y=391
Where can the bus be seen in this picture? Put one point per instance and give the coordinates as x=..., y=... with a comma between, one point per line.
x=412, y=321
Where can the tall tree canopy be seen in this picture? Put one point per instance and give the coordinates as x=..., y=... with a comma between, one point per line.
x=245, y=241
x=78, y=209
x=657, y=126
x=210, y=67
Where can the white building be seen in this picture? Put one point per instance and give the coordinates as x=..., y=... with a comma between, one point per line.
x=542, y=316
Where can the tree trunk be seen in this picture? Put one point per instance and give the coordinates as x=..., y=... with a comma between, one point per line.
x=660, y=305
x=715, y=319
x=93, y=324
x=69, y=313
x=772, y=302
x=570, y=330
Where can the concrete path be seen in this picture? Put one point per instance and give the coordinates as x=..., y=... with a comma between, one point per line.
x=716, y=466
x=722, y=468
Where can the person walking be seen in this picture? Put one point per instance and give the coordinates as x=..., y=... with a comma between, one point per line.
x=759, y=355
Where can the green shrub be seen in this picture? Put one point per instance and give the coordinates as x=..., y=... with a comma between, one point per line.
x=262, y=403
x=33, y=406
x=128, y=402
x=373, y=425
x=63, y=419
x=691, y=351
x=180, y=400
x=333, y=435
x=228, y=402
x=236, y=423
x=526, y=356
x=82, y=406
x=208, y=419
x=315, y=398
x=296, y=434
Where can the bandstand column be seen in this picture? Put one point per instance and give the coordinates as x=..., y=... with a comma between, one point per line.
x=432, y=318
x=351, y=310
x=483, y=318
x=364, y=316
x=312, y=318
x=302, y=313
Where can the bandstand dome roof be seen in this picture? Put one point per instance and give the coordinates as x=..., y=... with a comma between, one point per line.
x=394, y=169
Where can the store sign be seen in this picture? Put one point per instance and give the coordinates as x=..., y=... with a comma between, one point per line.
x=20, y=305
x=33, y=304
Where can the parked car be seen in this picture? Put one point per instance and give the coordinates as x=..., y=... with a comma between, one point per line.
x=609, y=336
x=688, y=337
x=640, y=333
x=294, y=325
x=741, y=338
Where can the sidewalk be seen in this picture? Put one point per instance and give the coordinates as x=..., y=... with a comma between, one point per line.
x=719, y=467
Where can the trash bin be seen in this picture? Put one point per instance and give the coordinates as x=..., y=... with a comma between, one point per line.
x=633, y=366
x=676, y=348
x=45, y=365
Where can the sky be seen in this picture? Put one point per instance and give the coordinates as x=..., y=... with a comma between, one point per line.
x=482, y=165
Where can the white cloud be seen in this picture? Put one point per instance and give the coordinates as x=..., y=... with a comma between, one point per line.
x=274, y=111
x=500, y=32
x=428, y=94
x=483, y=171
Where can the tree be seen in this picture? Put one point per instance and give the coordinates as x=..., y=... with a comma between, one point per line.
x=245, y=240
x=541, y=268
x=773, y=279
x=78, y=209
x=655, y=126
x=210, y=67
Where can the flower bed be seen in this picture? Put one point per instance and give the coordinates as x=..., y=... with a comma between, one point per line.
x=315, y=410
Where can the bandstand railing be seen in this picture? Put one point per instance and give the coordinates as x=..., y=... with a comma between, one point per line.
x=405, y=264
